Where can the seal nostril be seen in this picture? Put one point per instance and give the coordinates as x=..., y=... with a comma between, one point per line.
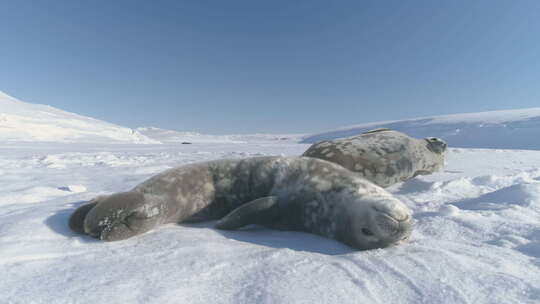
x=367, y=232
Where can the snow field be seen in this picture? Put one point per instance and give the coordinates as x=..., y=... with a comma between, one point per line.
x=476, y=237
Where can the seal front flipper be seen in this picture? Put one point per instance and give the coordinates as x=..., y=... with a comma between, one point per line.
x=263, y=211
x=76, y=220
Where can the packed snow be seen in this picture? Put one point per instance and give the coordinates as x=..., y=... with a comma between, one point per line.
x=476, y=237
x=509, y=129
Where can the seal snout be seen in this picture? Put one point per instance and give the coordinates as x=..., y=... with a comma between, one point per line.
x=392, y=224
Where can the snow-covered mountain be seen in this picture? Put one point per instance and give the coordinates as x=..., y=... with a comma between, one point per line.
x=24, y=122
x=508, y=129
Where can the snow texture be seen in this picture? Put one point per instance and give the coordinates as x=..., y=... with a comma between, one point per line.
x=476, y=237
x=509, y=129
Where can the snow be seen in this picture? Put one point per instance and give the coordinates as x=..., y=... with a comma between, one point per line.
x=508, y=129
x=476, y=237
x=21, y=121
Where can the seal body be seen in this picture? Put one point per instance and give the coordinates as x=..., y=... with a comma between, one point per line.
x=383, y=156
x=286, y=193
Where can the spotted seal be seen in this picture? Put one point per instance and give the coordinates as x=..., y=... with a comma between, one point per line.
x=383, y=156
x=285, y=193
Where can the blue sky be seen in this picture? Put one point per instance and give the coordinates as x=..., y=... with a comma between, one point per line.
x=270, y=66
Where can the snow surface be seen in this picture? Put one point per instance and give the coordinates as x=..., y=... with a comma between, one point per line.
x=21, y=121
x=476, y=236
x=509, y=129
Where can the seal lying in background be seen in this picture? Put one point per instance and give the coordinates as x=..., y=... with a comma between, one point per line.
x=383, y=156
x=286, y=193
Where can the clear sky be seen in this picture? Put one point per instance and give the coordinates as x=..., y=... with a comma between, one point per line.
x=270, y=66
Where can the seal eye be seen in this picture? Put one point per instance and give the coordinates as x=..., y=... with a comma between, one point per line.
x=367, y=232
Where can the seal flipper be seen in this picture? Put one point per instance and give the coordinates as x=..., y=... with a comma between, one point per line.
x=262, y=211
x=76, y=220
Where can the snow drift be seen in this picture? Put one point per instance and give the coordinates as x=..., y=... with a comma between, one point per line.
x=509, y=129
x=26, y=122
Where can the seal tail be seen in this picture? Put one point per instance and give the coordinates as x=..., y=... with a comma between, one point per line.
x=259, y=211
x=76, y=220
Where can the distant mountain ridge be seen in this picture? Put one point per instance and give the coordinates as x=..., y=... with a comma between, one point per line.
x=506, y=129
x=172, y=136
x=26, y=122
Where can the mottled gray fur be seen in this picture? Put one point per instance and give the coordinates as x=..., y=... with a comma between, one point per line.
x=287, y=193
x=383, y=156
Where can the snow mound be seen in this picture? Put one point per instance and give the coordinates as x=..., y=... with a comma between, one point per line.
x=26, y=122
x=509, y=129
x=519, y=195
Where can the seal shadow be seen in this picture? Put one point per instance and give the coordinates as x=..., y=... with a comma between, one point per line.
x=58, y=222
x=298, y=241
x=255, y=234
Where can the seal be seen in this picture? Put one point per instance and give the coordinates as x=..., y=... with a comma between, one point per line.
x=383, y=156
x=285, y=193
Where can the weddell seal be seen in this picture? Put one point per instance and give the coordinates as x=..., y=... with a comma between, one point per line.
x=285, y=193
x=383, y=156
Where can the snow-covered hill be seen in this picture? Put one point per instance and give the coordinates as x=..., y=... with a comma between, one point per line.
x=509, y=129
x=26, y=122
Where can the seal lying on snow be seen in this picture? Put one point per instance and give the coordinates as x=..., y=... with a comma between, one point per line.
x=383, y=156
x=286, y=193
